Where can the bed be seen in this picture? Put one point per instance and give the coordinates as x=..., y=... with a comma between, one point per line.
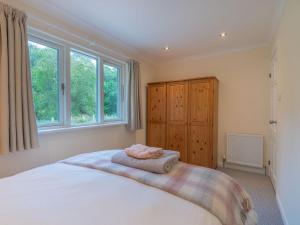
x=63, y=194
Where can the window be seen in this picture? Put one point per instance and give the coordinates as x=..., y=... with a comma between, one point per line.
x=44, y=63
x=111, y=88
x=75, y=87
x=83, y=88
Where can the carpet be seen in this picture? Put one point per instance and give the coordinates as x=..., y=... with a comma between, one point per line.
x=261, y=190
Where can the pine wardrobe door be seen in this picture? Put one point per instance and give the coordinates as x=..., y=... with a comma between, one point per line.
x=156, y=135
x=200, y=146
x=156, y=114
x=200, y=122
x=177, y=103
x=177, y=139
x=156, y=102
x=200, y=102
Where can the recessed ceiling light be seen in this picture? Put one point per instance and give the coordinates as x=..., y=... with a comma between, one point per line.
x=166, y=48
x=223, y=35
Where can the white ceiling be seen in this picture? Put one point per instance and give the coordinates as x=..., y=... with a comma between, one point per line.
x=188, y=27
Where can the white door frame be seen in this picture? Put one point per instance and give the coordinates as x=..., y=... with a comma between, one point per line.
x=273, y=120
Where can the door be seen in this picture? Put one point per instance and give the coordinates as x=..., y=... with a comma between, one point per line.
x=156, y=98
x=177, y=97
x=199, y=146
x=200, y=123
x=156, y=115
x=273, y=121
x=177, y=139
x=200, y=102
x=156, y=135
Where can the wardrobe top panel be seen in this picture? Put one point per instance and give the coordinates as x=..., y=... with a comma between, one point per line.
x=188, y=79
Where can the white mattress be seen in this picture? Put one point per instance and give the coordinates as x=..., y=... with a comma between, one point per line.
x=60, y=194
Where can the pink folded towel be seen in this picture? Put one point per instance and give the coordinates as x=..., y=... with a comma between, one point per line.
x=140, y=151
x=163, y=164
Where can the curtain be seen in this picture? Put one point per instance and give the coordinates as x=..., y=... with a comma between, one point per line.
x=134, y=108
x=18, y=130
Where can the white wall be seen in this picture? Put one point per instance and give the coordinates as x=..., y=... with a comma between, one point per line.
x=56, y=146
x=288, y=156
x=243, y=89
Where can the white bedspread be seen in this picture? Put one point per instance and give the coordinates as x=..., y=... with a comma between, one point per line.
x=60, y=194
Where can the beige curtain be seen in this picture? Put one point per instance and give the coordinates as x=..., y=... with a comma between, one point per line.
x=17, y=118
x=134, y=108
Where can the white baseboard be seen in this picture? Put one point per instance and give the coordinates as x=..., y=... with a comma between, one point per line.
x=281, y=209
x=243, y=168
x=273, y=179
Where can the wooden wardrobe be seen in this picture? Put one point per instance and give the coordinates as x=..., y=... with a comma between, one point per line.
x=182, y=116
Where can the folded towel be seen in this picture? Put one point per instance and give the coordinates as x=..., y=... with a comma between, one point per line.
x=171, y=152
x=140, y=151
x=161, y=165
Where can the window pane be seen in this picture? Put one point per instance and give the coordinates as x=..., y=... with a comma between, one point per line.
x=111, y=92
x=83, y=89
x=45, y=82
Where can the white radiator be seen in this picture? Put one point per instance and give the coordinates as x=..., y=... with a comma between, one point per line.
x=245, y=149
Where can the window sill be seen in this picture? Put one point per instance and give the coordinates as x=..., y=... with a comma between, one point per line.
x=50, y=130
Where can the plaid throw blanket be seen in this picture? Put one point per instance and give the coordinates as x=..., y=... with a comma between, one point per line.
x=210, y=189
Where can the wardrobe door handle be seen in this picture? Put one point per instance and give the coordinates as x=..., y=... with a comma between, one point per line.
x=272, y=122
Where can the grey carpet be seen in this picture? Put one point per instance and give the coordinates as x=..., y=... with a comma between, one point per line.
x=262, y=193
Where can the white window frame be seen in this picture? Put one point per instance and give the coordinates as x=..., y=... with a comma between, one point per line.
x=65, y=49
x=61, y=78
x=121, y=99
x=98, y=89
